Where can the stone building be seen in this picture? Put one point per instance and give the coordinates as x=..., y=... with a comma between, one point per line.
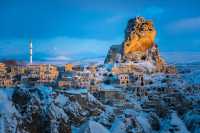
x=43, y=73
x=127, y=68
x=66, y=80
x=81, y=82
x=6, y=82
x=68, y=67
x=5, y=77
x=48, y=73
x=33, y=72
x=2, y=69
x=18, y=69
x=78, y=68
x=109, y=93
x=123, y=79
x=65, y=83
x=94, y=88
x=92, y=68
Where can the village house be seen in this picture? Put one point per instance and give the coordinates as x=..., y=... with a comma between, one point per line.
x=65, y=83
x=81, y=82
x=78, y=68
x=109, y=93
x=136, y=79
x=66, y=80
x=126, y=68
x=94, y=86
x=2, y=69
x=6, y=82
x=5, y=77
x=68, y=67
x=48, y=73
x=92, y=68
x=123, y=79
x=17, y=72
x=33, y=72
x=18, y=69
x=43, y=73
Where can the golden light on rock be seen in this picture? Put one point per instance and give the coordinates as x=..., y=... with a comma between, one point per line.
x=140, y=35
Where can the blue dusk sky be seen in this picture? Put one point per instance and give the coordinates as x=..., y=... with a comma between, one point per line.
x=65, y=29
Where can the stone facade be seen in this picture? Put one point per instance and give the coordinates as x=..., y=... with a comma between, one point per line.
x=123, y=79
x=68, y=67
x=42, y=73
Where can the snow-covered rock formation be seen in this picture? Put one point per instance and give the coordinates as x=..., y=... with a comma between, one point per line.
x=138, y=46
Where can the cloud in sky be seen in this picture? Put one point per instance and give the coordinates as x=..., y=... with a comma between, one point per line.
x=60, y=58
x=185, y=25
x=65, y=28
x=62, y=48
x=72, y=46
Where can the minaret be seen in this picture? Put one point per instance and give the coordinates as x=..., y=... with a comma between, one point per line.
x=31, y=52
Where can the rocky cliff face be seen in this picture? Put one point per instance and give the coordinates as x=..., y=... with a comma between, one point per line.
x=139, y=35
x=138, y=45
x=114, y=54
x=42, y=110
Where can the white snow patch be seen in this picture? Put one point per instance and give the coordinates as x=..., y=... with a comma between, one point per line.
x=93, y=127
x=118, y=126
x=7, y=111
x=61, y=100
x=147, y=65
x=175, y=120
x=106, y=87
x=6, y=106
x=144, y=123
x=77, y=91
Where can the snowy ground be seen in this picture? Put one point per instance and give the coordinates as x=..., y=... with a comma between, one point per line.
x=130, y=117
x=190, y=72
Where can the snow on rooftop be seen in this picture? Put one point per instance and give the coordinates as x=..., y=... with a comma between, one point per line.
x=91, y=98
x=147, y=65
x=77, y=91
x=61, y=99
x=108, y=87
